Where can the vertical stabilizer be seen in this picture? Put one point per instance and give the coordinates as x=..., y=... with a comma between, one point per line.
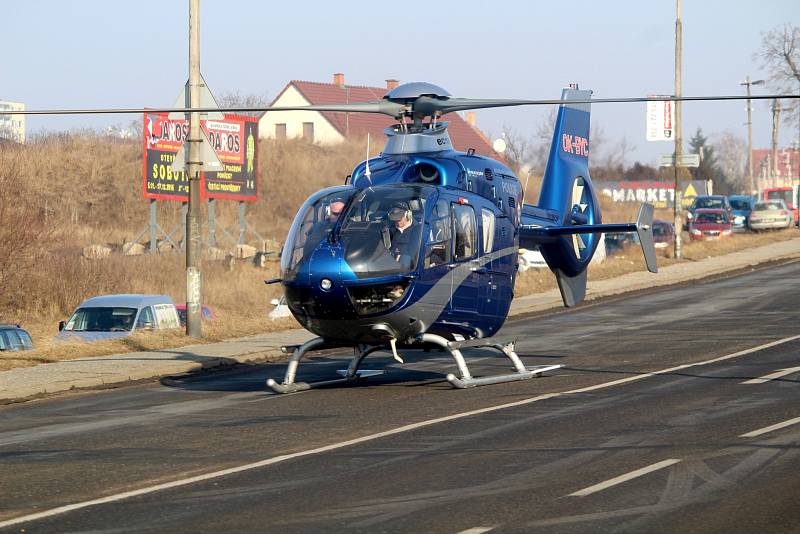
x=569, y=152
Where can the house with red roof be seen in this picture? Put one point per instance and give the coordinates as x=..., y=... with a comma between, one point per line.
x=329, y=127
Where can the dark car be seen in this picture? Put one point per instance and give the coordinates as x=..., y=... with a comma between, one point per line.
x=742, y=206
x=709, y=224
x=13, y=337
x=206, y=313
x=616, y=242
x=713, y=202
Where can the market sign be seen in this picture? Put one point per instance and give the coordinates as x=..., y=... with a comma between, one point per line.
x=659, y=194
x=234, y=139
x=660, y=120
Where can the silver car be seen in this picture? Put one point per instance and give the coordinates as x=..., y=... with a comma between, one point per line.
x=115, y=316
x=770, y=215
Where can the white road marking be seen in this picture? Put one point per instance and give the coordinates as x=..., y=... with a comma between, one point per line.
x=772, y=376
x=770, y=428
x=624, y=478
x=476, y=530
x=372, y=437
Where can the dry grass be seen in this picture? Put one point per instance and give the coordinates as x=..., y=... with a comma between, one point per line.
x=87, y=190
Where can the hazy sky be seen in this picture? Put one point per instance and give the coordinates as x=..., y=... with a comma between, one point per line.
x=93, y=53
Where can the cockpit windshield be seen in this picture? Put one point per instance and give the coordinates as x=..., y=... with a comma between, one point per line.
x=382, y=230
x=312, y=225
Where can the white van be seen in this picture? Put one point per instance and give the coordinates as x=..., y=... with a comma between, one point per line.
x=115, y=316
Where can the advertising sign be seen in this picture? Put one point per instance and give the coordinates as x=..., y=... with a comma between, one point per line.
x=660, y=120
x=234, y=140
x=659, y=194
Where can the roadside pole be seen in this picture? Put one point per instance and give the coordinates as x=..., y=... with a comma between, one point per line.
x=678, y=138
x=193, y=163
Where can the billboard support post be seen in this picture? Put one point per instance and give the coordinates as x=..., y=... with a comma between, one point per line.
x=242, y=224
x=153, y=226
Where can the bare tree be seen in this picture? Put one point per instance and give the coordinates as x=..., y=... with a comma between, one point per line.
x=23, y=231
x=780, y=57
x=731, y=152
x=237, y=99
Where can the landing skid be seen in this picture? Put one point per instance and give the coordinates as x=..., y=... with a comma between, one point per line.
x=349, y=375
x=466, y=380
x=353, y=374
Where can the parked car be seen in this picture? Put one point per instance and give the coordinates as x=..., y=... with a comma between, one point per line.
x=527, y=259
x=770, y=215
x=708, y=224
x=741, y=206
x=617, y=241
x=115, y=316
x=280, y=310
x=701, y=202
x=206, y=313
x=663, y=234
x=13, y=337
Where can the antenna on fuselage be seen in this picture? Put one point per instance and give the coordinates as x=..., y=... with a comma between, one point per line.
x=366, y=171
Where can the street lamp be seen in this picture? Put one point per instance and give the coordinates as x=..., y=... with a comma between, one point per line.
x=747, y=83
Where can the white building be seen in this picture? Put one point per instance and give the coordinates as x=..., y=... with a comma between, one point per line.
x=12, y=126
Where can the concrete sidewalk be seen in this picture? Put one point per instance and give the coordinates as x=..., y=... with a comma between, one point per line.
x=100, y=371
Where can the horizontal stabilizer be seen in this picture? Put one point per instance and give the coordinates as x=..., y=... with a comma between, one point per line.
x=573, y=288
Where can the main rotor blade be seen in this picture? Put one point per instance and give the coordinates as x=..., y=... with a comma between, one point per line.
x=426, y=105
x=385, y=107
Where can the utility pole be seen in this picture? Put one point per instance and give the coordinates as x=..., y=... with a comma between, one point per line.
x=776, y=121
x=193, y=163
x=747, y=83
x=678, y=137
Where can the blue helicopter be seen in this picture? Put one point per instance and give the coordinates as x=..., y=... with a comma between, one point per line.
x=419, y=247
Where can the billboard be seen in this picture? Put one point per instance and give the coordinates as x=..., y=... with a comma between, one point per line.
x=660, y=120
x=234, y=139
x=658, y=193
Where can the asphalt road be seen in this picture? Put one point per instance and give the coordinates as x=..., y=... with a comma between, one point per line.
x=602, y=444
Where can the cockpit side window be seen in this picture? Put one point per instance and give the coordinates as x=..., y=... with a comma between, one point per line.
x=437, y=251
x=465, y=232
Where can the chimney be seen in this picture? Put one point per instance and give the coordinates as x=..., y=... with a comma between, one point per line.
x=338, y=79
x=392, y=84
x=470, y=118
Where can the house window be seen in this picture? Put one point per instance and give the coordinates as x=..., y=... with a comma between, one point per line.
x=308, y=131
x=280, y=131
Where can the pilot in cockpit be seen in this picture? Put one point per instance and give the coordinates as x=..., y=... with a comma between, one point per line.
x=403, y=233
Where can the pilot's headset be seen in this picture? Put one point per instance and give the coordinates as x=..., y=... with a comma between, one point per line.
x=400, y=209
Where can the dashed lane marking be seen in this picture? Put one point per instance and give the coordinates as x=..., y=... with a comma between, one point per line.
x=776, y=426
x=772, y=376
x=624, y=478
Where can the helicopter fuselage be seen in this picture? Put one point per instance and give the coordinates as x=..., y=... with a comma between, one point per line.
x=344, y=281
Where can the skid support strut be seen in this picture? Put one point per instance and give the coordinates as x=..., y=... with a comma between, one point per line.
x=466, y=379
x=351, y=374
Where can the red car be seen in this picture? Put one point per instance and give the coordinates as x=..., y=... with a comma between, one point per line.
x=206, y=313
x=708, y=224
